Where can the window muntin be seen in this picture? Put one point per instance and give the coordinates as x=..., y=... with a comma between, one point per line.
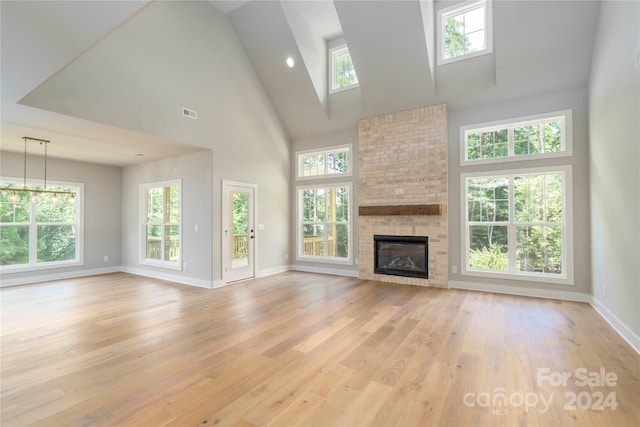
x=465, y=31
x=330, y=162
x=45, y=233
x=324, y=231
x=515, y=224
x=342, y=74
x=162, y=224
x=547, y=135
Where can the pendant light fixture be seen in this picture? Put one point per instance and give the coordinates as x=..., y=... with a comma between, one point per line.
x=35, y=193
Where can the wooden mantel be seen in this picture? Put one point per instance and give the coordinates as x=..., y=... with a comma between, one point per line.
x=399, y=210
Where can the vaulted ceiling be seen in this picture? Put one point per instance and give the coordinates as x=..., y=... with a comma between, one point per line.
x=50, y=50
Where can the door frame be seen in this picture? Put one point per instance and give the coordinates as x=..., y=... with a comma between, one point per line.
x=226, y=220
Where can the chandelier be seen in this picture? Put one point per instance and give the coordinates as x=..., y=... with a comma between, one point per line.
x=15, y=198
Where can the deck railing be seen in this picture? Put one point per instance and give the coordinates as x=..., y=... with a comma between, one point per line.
x=240, y=246
x=314, y=245
x=154, y=249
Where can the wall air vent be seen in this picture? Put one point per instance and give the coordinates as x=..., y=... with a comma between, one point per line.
x=192, y=114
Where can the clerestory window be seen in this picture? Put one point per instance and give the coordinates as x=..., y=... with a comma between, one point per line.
x=342, y=74
x=464, y=31
x=329, y=162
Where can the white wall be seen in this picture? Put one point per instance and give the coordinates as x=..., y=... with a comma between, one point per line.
x=195, y=172
x=575, y=100
x=173, y=54
x=261, y=159
x=102, y=212
x=614, y=121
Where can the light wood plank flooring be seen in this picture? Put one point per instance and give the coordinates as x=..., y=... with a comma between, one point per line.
x=302, y=349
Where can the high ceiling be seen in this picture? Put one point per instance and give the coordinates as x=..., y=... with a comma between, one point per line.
x=49, y=46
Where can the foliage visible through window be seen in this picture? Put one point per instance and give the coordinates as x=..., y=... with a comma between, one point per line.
x=38, y=233
x=162, y=223
x=325, y=222
x=240, y=231
x=343, y=74
x=330, y=162
x=535, y=137
x=516, y=223
x=464, y=30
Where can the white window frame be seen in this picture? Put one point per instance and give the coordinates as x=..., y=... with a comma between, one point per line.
x=566, y=137
x=33, y=224
x=301, y=154
x=299, y=224
x=333, y=83
x=143, y=225
x=457, y=9
x=566, y=278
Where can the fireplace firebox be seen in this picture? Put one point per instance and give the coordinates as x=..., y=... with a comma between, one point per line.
x=401, y=255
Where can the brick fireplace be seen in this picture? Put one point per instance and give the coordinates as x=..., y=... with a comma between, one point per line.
x=402, y=187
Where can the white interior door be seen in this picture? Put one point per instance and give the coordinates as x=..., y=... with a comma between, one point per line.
x=238, y=231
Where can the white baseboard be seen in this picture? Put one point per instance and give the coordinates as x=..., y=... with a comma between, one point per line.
x=56, y=276
x=323, y=270
x=208, y=284
x=218, y=284
x=271, y=271
x=619, y=326
x=525, y=292
x=622, y=329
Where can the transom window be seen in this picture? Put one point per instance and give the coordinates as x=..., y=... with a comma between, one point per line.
x=343, y=74
x=329, y=162
x=161, y=209
x=545, y=135
x=324, y=231
x=465, y=31
x=40, y=230
x=515, y=223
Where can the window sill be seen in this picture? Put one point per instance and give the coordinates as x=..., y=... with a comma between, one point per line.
x=325, y=260
x=161, y=264
x=530, y=277
x=343, y=89
x=464, y=57
x=9, y=269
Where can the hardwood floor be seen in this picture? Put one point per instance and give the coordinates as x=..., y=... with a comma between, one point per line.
x=302, y=349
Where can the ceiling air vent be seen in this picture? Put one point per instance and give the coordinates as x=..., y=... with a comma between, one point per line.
x=192, y=114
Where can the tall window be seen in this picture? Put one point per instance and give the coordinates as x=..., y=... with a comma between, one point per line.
x=515, y=223
x=162, y=224
x=546, y=135
x=329, y=162
x=465, y=31
x=41, y=232
x=325, y=227
x=343, y=74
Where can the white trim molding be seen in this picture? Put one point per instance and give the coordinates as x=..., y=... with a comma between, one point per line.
x=564, y=117
x=272, y=271
x=48, y=277
x=567, y=277
x=521, y=291
x=207, y=284
x=322, y=270
x=457, y=9
x=618, y=325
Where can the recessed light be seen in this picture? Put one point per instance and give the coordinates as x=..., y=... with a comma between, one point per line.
x=290, y=62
